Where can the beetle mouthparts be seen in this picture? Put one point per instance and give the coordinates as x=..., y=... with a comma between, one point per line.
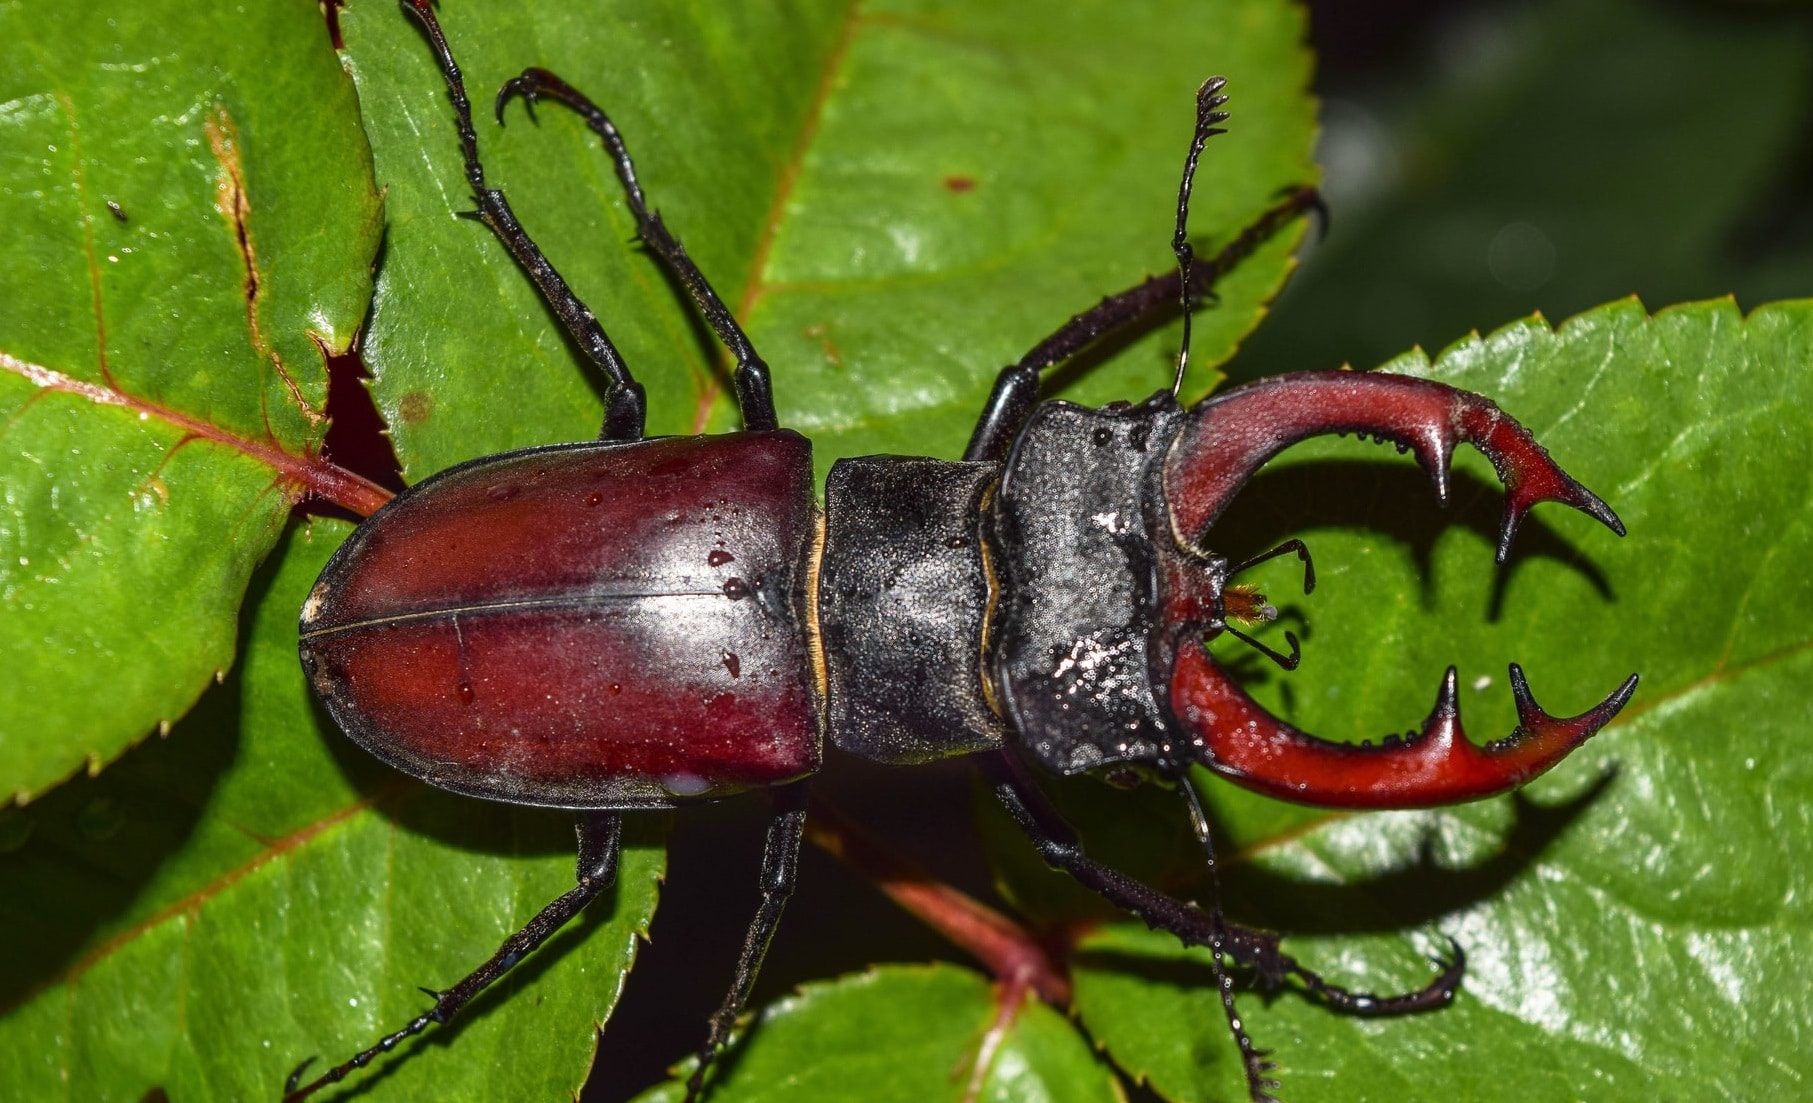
x=1434, y=765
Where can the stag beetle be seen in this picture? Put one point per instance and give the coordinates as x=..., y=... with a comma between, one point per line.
x=641, y=623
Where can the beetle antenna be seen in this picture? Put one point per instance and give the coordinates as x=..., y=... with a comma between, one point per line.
x=1252, y=1058
x=1208, y=99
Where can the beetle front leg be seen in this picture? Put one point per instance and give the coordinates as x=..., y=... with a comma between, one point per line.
x=600, y=841
x=1016, y=388
x=1260, y=951
x=1057, y=843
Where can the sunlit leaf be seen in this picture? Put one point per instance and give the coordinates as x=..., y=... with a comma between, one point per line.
x=907, y=1034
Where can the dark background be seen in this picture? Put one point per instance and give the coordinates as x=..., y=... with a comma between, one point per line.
x=1482, y=160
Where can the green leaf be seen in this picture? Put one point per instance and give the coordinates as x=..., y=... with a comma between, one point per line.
x=897, y=199
x=254, y=889
x=1653, y=887
x=906, y=1034
x=161, y=360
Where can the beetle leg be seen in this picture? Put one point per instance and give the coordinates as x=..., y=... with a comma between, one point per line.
x=1017, y=386
x=1248, y=947
x=755, y=396
x=780, y=871
x=600, y=839
x=1259, y=951
x=1057, y=843
x=1253, y=1060
x=625, y=405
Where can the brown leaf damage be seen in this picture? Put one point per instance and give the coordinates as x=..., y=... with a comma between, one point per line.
x=231, y=200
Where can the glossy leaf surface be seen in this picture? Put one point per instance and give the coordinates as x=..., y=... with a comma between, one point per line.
x=182, y=249
x=896, y=198
x=302, y=892
x=908, y=1034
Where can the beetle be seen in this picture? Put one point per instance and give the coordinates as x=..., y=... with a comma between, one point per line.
x=643, y=623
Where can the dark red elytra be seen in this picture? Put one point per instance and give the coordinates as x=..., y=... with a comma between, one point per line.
x=554, y=627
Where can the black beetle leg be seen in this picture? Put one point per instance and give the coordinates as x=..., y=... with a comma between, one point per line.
x=1259, y=951
x=1017, y=386
x=1247, y=947
x=625, y=405
x=1058, y=844
x=600, y=839
x=780, y=871
x=755, y=394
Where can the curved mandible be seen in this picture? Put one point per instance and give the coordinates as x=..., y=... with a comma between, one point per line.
x=1436, y=765
x=1222, y=444
x=1229, y=437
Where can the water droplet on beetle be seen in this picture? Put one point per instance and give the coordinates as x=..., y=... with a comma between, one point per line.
x=736, y=589
x=464, y=689
x=733, y=664
x=719, y=557
x=593, y=499
x=615, y=689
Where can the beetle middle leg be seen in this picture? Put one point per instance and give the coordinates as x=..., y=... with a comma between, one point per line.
x=1252, y=949
x=780, y=871
x=600, y=841
x=755, y=395
x=625, y=404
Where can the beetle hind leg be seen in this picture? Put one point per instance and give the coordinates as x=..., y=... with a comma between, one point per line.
x=780, y=870
x=600, y=841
